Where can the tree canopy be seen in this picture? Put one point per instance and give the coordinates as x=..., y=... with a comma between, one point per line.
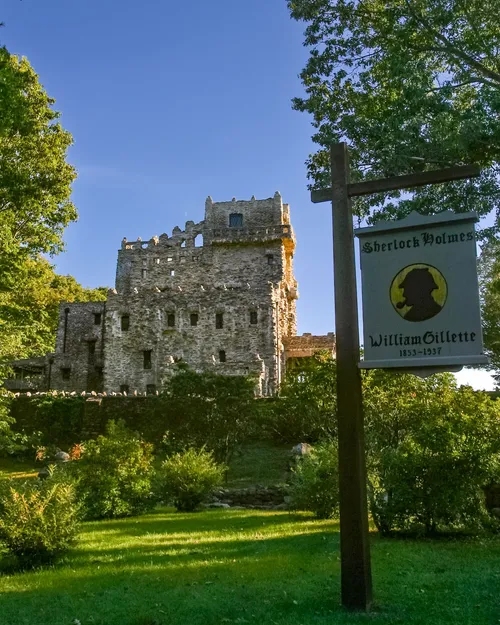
x=35, y=207
x=489, y=286
x=410, y=85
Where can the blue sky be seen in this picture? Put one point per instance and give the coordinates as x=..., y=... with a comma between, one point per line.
x=169, y=102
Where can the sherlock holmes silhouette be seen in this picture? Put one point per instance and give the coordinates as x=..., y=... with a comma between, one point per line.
x=417, y=286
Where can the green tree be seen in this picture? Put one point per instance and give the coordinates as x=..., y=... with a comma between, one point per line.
x=29, y=310
x=305, y=410
x=35, y=179
x=410, y=85
x=208, y=410
x=431, y=449
x=489, y=284
x=35, y=207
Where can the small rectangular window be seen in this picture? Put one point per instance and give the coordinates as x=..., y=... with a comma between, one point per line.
x=66, y=373
x=150, y=389
x=172, y=273
x=147, y=358
x=222, y=356
x=144, y=273
x=193, y=318
x=157, y=261
x=270, y=259
x=169, y=259
x=253, y=317
x=171, y=320
x=236, y=220
x=125, y=322
x=97, y=319
x=124, y=388
x=219, y=321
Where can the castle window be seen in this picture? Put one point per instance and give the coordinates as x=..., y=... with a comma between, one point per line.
x=193, y=318
x=157, y=261
x=219, y=321
x=150, y=389
x=169, y=259
x=66, y=373
x=97, y=319
x=172, y=273
x=235, y=220
x=253, y=317
x=222, y=356
x=144, y=273
x=124, y=388
x=125, y=322
x=270, y=259
x=147, y=358
x=171, y=320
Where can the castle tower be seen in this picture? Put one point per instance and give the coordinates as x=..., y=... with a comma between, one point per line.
x=218, y=295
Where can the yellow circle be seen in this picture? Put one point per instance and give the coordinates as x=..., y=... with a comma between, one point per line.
x=418, y=292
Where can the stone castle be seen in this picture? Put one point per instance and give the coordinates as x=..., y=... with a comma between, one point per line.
x=218, y=295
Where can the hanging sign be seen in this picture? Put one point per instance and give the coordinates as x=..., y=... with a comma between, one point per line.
x=420, y=293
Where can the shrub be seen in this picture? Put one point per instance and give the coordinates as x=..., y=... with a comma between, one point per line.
x=431, y=449
x=206, y=409
x=190, y=477
x=314, y=484
x=305, y=411
x=114, y=474
x=38, y=519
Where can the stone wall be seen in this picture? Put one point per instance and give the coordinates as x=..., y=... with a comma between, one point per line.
x=78, y=361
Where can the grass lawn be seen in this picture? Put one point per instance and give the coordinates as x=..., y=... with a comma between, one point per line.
x=246, y=566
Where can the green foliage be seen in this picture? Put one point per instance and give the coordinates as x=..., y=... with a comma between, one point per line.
x=314, y=485
x=35, y=207
x=114, y=474
x=306, y=408
x=35, y=180
x=12, y=443
x=29, y=307
x=410, y=85
x=489, y=283
x=38, y=519
x=431, y=449
x=190, y=477
x=206, y=409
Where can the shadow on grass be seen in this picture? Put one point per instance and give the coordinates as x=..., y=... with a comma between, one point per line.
x=167, y=520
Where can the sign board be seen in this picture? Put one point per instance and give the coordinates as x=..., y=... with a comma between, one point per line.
x=420, y=293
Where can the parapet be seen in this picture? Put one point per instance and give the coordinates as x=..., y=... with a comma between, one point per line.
x=307, y=345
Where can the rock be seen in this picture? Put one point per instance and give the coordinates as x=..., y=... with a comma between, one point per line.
x=61, y=456
x=302, y=449
x=216, y=505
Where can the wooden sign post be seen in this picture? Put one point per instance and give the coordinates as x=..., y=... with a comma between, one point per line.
x=356, y=582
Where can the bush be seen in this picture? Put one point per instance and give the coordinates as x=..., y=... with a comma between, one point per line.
x=207, y=409
x=305, y=411
x=38, y=519
x=114, y=474
x=431, y=449
x=314, y=484
x=190, y=477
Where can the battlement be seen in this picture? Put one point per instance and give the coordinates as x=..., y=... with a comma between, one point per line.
x=178, y=238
